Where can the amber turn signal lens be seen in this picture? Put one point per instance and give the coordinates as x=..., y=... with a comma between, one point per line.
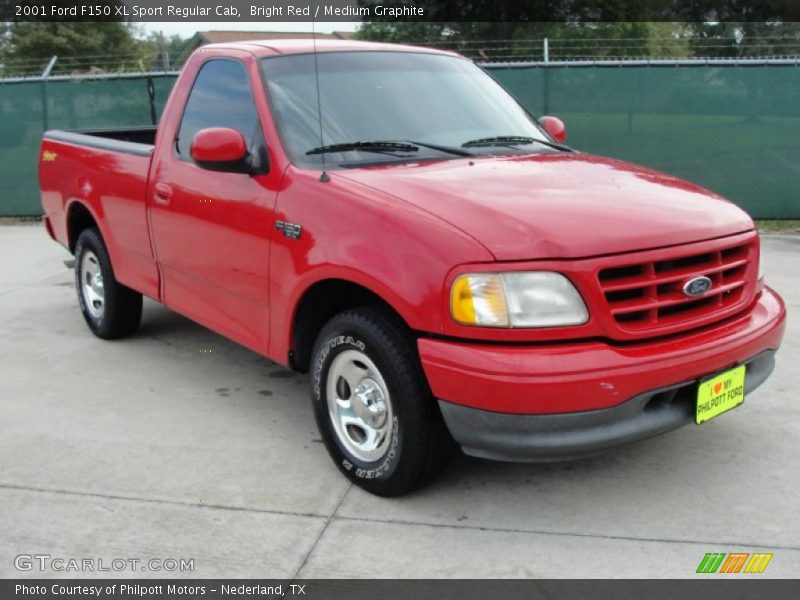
x=478, y=299
x=516, y=299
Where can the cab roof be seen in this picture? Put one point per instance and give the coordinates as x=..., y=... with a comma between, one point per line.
x=274, y=47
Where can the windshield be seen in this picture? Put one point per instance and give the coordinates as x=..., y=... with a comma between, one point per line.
x=390, y=96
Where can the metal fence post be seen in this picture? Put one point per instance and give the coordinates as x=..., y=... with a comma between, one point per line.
x=151, y=94
x=546, y=77
x=45, y=75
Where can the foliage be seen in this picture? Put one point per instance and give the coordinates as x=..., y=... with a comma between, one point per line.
x=778, y=226
x=745, y=38
x=26, y=47
x=509, y=29
x=166, y=49
x=507, y=41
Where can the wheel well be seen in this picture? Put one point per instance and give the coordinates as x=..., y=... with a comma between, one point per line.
x=318, y=305
x=78, y=219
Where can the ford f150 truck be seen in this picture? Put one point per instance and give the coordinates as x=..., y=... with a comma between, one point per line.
x=391, y=221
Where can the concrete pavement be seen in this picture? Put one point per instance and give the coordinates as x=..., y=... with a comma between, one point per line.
x=177, y=443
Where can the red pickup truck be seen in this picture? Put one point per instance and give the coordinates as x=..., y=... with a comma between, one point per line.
x=391, y=221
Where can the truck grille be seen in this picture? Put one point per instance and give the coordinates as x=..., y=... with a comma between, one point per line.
x=649, y=295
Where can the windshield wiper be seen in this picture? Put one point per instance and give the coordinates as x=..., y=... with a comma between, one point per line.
x=513, y=140
x=447, y=149
x=388, y=146
x=376, y=146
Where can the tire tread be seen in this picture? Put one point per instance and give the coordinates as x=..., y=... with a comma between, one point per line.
x=396, y=340
x=123, y=306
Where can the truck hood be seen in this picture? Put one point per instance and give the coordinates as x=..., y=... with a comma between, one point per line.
x=559, y=205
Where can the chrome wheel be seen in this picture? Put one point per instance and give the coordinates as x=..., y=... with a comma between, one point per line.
x=359, y=405
x=91, y=282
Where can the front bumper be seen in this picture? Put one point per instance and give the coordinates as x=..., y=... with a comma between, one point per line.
x=566, y=400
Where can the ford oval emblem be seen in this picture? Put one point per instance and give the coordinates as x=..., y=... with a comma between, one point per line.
x=697, y=286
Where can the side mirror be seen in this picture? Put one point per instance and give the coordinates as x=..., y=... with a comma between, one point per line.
x=555, y=127
x=221, y=149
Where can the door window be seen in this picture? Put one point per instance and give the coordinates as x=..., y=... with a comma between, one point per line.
x=220, y=97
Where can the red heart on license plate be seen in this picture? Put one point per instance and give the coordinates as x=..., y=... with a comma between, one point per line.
x=717, y=387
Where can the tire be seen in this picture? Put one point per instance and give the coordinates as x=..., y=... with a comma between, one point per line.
x=374, y=410
x=110, y=309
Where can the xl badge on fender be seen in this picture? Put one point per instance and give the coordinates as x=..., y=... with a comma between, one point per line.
x=290, y=230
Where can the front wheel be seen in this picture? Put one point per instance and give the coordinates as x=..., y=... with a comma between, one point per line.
x=373, y=406
x=111, y=310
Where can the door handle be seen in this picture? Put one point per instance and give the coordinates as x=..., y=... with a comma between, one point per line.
x=162, y=194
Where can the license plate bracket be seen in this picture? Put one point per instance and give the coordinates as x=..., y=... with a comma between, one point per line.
x=719, y=393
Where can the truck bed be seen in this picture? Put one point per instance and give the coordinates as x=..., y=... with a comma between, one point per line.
x=132, y=140
x=104, y=172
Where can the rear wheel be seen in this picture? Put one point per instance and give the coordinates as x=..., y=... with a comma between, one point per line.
x=111, y=310
x=372, y=404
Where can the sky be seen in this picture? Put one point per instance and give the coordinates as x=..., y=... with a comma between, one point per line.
x=186, y=30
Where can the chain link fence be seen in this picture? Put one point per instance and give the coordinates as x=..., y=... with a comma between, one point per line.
x=629, y=48
x=730, y=125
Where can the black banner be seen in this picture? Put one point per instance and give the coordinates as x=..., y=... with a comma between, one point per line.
x=512, y=11
x=383, y=589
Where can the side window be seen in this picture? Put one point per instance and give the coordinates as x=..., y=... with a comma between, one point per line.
x=220, y=97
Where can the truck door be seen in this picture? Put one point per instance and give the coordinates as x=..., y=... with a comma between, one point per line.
x=211, y=230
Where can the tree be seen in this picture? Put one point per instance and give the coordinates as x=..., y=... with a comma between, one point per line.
x=745, y=38
x=166, y=49
x=80, y=47
x=513, y=41
x=511, y=29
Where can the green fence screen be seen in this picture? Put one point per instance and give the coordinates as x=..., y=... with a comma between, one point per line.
x=734, y=129
x=70, y=104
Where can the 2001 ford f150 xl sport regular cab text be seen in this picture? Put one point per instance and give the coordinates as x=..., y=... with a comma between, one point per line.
x=435, y=258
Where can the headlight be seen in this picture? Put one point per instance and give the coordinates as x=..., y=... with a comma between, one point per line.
x=520, y=299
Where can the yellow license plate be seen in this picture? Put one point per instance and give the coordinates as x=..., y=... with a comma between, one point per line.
x=719, y=394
